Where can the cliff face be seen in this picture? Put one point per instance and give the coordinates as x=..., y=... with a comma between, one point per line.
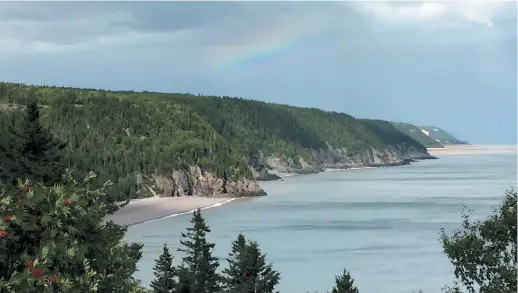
x=195, y=182
x=331, y=158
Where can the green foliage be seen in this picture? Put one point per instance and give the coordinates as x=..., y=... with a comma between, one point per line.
x=131, y=137
x=484, y=253
x=165, y=273
x=389, y=135
x=200, y=266
x=54, y=239
x=31, y=151
x=344, y=284
x=247, y=270
x=416, y=133
x=441, y=135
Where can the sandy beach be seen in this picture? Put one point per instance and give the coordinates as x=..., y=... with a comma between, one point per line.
x=473, y=150
x=147, y=209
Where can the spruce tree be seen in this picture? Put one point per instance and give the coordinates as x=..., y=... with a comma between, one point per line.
x=247, y=271
x=184, y=280
x=344, y=284
x=56, y=239
x=164, y=272
x=235, y=273
x=40, y=150
x=29, y=150
x=201, y=266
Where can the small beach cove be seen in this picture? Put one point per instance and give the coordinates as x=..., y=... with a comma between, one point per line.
x=146, y=210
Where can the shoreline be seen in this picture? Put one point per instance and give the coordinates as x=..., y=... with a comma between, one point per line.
x=147, y=210
x=473, y=150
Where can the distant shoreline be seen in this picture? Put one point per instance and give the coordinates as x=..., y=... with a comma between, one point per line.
x=473, y=150
x=147, y=210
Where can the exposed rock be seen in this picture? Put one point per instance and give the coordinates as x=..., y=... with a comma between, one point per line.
x=194, y=181
x=338, y=158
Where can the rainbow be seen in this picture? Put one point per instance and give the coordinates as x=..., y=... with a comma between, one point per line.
x=258, y=52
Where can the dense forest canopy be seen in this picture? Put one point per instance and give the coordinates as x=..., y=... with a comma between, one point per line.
x=126, y=137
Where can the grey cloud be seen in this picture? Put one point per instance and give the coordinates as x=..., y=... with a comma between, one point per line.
x=80, y=23
x=211, y=23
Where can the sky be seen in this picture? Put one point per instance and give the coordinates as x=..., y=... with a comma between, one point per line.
x=447, y=64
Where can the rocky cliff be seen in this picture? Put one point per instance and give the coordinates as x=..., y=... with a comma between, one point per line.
x=273, y=167
x=195, y=182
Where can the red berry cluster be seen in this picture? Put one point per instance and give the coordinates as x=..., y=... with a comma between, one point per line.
x=35, y=272
x=4, y=233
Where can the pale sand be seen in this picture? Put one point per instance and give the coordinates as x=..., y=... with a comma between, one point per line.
x=473, y=150
x=144, y=210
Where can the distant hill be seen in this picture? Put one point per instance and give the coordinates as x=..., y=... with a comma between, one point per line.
x=441, y=135
x=416, y=133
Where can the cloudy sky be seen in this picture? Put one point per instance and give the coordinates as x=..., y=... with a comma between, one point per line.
x=449, y=64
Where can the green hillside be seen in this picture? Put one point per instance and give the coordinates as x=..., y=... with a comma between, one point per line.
x=441, y=135
x=129, y=137
x=417, y=134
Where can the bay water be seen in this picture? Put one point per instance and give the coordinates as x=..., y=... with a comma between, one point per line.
x=381, y=224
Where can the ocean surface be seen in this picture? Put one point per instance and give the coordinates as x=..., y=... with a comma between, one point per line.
x=381, y=224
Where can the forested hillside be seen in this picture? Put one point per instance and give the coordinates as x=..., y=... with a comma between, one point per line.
x=441, y=135
x=417, y=134
x=137, y=139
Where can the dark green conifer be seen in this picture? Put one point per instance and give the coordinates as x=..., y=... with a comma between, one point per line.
x=200, y=264
x=184, y=280
x=37, y=153
x=344, y=284
x=247, y=271
x=164, y=272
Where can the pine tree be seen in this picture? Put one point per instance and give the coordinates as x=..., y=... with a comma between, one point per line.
x=39, y=154
x=247, y=271
x=344, y=284
x=56, y=239
x=199, y=262
x=164, y=272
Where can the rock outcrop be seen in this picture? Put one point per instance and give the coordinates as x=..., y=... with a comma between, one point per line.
x=195, y=182
x=333, y=158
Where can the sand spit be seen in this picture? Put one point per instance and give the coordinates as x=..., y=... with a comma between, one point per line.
x=473, y=150
x=139, y=211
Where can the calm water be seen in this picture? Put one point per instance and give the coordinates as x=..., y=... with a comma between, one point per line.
x=382, y=224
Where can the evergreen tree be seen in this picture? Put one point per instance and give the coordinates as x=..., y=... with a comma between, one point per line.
x=56, y=239
x=184, y=280
x=200, y=264
x=247, y=271
x=344, y=284
x=164, y=272
x=40, y=153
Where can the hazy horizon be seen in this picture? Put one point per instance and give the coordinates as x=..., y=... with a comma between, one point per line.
x=447, y=64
